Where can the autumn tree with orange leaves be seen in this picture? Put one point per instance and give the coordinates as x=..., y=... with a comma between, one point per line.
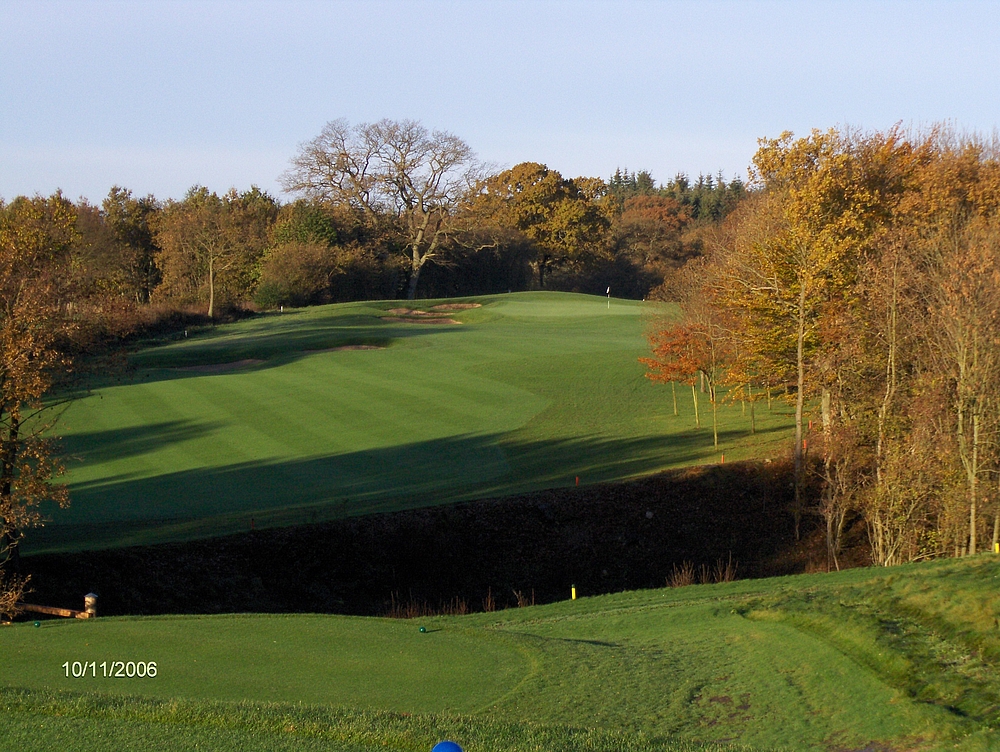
x=861, y=274
x=35, y=240
x=675, y=359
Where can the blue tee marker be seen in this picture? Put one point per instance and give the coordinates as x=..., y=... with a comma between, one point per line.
x=446, y=747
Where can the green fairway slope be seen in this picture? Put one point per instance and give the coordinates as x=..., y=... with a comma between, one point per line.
x=268, y=419
x=900, y=659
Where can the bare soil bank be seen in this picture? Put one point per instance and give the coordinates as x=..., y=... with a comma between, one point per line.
x=601, y=539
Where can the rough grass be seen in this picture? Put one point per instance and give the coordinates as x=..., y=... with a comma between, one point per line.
x=41, y=720
x=899, y=659
x=532, y=391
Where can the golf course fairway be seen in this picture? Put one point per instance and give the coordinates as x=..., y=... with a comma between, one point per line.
x=348, y=409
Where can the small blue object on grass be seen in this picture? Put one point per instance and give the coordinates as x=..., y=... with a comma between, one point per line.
x=423, y=629
x=38, y=624
x=446, y=747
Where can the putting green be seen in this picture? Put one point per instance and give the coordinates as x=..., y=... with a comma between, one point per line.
x=272, y=419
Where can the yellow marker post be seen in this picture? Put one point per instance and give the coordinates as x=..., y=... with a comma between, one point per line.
x=572, y=592
x=996, y=548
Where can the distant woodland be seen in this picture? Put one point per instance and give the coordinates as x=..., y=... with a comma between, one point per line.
x=375, y=211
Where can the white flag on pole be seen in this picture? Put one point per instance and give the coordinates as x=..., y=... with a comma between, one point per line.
x=609, y=291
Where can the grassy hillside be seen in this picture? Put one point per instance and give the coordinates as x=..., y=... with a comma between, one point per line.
x=267, y=419
x=900, y=659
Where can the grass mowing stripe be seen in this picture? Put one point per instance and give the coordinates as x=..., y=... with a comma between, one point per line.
x=532, y=391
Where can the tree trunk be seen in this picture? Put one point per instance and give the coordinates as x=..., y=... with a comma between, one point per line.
x=211, y=287
x=973, y=486
x=694, y=396
x=890, y=380
x=835, y=533
x=715, y=421
x=830, y=556
x=542, y=262
x=832, y=502
x=753, y=418
x=11, y=563
x=411, y=289
x=673, y=391
x=800, y=339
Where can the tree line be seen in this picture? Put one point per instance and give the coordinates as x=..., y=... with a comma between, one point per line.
x=385, y=210
x=859, y=279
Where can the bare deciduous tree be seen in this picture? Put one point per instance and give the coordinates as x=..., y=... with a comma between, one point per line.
x=390, y=168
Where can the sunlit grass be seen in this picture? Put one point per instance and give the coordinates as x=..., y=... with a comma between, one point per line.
x=531, y=391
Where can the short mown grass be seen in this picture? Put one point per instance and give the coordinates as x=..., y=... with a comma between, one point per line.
x=530, y=391
x=893, y=659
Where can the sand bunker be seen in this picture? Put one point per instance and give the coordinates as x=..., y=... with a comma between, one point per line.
x=456, y=306
x=409, y=312
x=436, y=320
x=221, y=367
x=416, y=316
x=348, y=347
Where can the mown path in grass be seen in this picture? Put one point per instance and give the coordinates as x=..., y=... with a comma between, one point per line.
x=867, y=659
x=529, y=391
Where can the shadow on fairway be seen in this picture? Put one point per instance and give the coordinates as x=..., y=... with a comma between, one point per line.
x=605, y=537
x=103, y=446
x=550, y=464
x=215, y=501
x=278, y=344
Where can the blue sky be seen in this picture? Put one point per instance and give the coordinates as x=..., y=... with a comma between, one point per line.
x=160, y=95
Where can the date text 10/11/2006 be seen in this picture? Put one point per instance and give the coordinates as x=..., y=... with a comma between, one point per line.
x=110, y=669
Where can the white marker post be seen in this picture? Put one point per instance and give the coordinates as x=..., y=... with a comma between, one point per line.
x=609, y=298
